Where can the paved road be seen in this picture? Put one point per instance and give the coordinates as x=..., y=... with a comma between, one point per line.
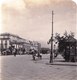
x=24, y=68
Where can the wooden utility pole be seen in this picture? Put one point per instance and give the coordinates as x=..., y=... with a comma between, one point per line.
x=51, y=54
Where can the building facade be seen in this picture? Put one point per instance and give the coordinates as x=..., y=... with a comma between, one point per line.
x=7, y=40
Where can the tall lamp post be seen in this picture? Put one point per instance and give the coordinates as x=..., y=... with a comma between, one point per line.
x=51, y=54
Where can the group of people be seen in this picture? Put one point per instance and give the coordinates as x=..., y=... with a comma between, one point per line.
x=14, y=51
x=35, y=54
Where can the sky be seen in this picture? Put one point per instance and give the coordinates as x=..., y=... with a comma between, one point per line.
x=31, y=19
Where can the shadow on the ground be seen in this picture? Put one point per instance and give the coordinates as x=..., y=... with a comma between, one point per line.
x=57, y=62
x=62, y=64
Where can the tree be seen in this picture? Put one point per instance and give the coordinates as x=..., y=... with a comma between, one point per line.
x=61, y=39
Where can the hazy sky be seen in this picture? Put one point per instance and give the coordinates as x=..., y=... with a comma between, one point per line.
x=31, y=19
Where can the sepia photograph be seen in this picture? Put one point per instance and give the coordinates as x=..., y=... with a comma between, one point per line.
x=38, y=40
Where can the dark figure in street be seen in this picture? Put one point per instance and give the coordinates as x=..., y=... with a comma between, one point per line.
x=33, y=54
x=10, y=48
x=15, y=52
x=39, y=55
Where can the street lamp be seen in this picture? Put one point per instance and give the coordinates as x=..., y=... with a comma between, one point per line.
x=51, y=54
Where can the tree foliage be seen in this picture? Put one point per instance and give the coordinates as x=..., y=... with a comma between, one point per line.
x=61, y=39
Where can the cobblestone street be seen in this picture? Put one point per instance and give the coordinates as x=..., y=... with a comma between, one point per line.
x=22, y=67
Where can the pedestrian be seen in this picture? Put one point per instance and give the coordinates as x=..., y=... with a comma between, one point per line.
x=10, y=48
x=39, y=55
x=33, y=54
x=15, y=51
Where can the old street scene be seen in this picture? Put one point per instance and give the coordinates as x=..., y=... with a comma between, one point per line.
x=38, y=40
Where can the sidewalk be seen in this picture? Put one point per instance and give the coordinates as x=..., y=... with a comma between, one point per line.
x=60, y=61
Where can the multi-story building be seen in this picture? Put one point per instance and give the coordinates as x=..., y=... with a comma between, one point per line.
x=7, y=40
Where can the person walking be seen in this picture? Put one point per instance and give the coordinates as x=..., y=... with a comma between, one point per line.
x=15, y=52
x=33, y=54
